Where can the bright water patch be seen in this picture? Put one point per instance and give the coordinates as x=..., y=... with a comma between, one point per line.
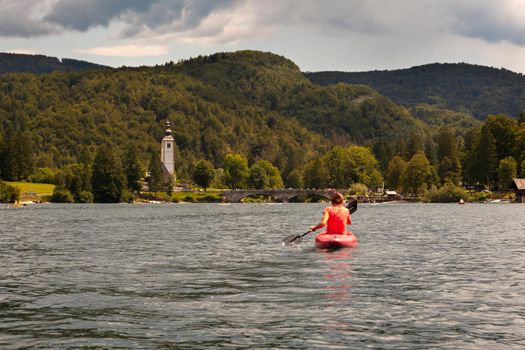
x=209, y=275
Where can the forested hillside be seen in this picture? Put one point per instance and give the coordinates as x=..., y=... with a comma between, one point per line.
x=253, y=103
x=12, y=63
x=242, y=119
x=462, y=87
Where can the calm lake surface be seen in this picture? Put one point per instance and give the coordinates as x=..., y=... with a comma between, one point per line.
x=191, y=276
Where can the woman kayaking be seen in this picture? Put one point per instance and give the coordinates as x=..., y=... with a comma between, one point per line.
x=336, y=216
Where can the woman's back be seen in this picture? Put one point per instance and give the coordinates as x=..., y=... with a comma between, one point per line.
x=338, y=217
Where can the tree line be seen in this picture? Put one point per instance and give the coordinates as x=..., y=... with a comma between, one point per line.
x=488, y=156
x=253, y=105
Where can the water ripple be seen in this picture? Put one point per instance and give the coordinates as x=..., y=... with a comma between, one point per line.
x=209, y=276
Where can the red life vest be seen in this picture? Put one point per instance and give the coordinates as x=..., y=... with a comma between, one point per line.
x=338, y=218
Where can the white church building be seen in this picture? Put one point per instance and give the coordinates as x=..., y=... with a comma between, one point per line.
x=167, y=155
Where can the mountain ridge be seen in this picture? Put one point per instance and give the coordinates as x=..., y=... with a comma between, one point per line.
x=26, y=63
x=463, y=87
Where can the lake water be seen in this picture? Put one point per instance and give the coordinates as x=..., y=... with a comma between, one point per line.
x=191, y=276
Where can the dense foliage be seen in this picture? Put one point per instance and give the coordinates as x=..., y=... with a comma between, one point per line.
x=244, y=119
x=8, y=193
x=462, y=87
x=12, y=63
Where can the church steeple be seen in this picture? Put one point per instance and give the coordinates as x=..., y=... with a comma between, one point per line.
x=167, y=154
x=168, y=129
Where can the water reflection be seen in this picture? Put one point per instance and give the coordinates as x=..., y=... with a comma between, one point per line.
x=338, y=274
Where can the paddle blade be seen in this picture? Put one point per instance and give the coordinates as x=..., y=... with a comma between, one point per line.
x=352, y=205
x=293, y=239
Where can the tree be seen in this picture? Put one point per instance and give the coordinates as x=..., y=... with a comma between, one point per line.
x=155, y=172
x=507, y=171
x=264, y=174
x=295, y=179
x=8, y=193
x=417, y=173
x=430, y=150
x=383, y=154
x=61, y=196
x=446, y=145
x=363, y=166
x=396, y=168
x=16, y=156
x=315, y=174
x=449, y=167
x=257, y=178
x=76, y=179
x=484, y=159
x=235, y=170
x=449, y=170
x=504, y=130
x=337, y=163
x=415, y=144
x=133, y=168
x=203, y=174
x=108, y=180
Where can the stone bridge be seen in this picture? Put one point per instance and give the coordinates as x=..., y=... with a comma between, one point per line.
x=282, y=195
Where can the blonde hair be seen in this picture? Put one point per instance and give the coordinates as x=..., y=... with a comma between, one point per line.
x=337, y=198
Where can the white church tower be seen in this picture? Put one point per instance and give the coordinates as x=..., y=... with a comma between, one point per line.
x=167, y=153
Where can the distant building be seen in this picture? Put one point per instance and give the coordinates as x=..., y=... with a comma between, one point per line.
x=167, y=155
x=518, y=185
x=392, y=195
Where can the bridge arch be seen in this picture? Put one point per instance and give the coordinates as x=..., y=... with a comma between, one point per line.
x=284, y=195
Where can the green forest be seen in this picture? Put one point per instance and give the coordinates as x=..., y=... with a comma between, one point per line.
x=245, y=119
x=478, y=90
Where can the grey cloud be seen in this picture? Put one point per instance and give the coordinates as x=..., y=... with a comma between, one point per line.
x=19, y=26
x=82, y=15
x=173, y=15
x=17, y=20
x=489, y=22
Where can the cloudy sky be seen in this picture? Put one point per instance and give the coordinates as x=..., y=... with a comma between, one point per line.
x=347, y=35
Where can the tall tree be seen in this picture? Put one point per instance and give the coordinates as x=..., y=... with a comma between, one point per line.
x=155, y=182
x=396, y=168
x=417, y=173
x=337, y=162
x=504, y=130
x=363, y=166
x=315, y=174
x=235, y=170
x=430, y=150
x=203, y=174
x=108, y=180
x=17, y=156
x=484, y=158
x=449, y=166
x=507, y=171
x=383, y=153
x=133, y=168
x=414, y=145
x=264, y=174
x=446, y=143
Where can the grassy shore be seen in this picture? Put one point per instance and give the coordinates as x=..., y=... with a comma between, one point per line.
x=30, y=192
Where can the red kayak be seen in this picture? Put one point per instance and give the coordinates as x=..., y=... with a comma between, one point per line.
x=326, y=241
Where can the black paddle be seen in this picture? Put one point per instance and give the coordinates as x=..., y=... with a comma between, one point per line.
x=298, y=238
